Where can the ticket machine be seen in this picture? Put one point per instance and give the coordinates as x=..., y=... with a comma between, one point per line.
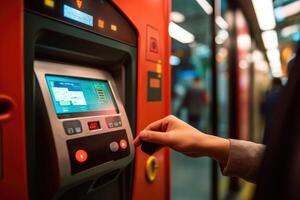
x=79, y=79
x=83, y=135
x=81, y=62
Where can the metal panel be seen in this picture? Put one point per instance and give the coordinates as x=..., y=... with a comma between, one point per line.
x=13, y=185
x=155, y=14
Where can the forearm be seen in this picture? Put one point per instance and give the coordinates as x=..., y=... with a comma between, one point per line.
x=236, y=157
x=244, y=160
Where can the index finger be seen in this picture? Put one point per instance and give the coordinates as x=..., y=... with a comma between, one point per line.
x=137, y=141
x=159, y=125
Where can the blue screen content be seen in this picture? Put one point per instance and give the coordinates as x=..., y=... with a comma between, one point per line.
x=80, y=96
x=78, y=15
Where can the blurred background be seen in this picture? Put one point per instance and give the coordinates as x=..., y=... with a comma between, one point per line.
x=229, y=62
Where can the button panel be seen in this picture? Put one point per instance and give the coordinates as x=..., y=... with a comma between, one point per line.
x=97, y=149
x=113, y=122
x=72, y=127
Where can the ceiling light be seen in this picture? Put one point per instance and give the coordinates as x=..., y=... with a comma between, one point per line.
x=289, y=30
x=270, y=39
x=265, y=14
x=180, y=34
x=244, y=41
x=275, y=63
x=277, y=73
x=221, y=22
x=243, y=64
x=205, y=6
x=276, y=69
x=221, y=37
x=286, y=11
x=257, y=56
x=262, y=66
x=174, y=60
x=273, y=56
x=177, y=17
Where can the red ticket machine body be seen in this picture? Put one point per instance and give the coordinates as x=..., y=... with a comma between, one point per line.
x=151, y=19
x=152, y=73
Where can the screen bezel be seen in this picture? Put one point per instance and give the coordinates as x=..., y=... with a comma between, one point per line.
x=83, y=114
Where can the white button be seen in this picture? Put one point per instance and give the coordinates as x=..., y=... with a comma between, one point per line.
x=116, y=124
x=110, y=125
x=70, y=130
x=114, y=146
x=78, y=130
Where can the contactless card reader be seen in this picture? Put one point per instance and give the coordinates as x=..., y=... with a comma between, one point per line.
x=90, y=130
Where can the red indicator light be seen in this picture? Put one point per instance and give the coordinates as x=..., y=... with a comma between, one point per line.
x=123, y=144
x=79, y=3
x=101, y=23
x=94, y=125
x=81, y=155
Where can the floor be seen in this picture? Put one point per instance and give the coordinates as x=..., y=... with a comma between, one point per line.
x=190, y=177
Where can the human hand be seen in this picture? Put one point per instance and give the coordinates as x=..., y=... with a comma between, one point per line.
x=178, y=135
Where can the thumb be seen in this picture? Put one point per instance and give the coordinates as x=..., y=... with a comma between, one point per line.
x=155, y=137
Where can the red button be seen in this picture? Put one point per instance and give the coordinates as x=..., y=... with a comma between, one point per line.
x=81, y=155
x=123, y=144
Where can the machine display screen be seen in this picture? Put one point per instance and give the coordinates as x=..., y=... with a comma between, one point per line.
x=78, y=15
x=74, y=97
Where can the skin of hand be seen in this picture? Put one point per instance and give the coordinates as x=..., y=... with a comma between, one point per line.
x=180, y=136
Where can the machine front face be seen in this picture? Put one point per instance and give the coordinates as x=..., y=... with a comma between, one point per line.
x=90, y=129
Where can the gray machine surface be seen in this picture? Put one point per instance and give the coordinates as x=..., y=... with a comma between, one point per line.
x=90, y=132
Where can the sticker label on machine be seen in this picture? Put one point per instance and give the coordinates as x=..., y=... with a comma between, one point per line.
x=154, y=89
x=153, y=52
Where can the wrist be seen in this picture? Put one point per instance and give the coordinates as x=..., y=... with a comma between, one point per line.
x=218, y=148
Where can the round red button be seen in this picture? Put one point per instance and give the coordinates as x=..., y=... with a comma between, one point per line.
x=123, y=144
x=81, y=155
